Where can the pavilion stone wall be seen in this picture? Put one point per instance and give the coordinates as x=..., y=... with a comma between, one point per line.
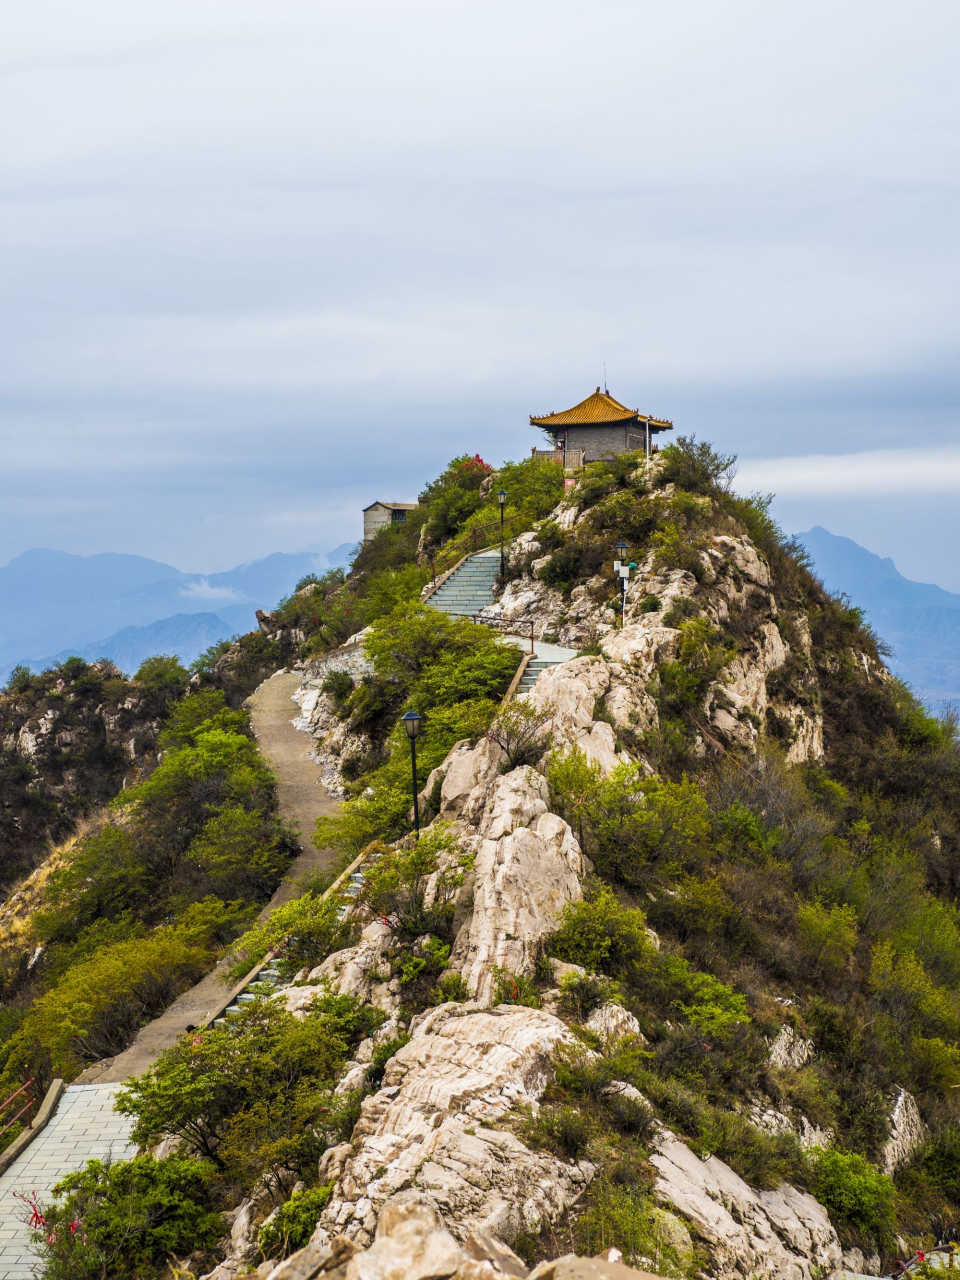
x=604, y=441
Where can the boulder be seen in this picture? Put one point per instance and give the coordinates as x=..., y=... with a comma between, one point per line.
x=771, y=1235
x=572, y=689
x=528, y=867
x=611, y=1022
x=789, y=1050
x=426, y=1131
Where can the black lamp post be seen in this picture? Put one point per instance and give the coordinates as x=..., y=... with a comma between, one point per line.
x=502, y=499
x=411, y=722
x=624, y=573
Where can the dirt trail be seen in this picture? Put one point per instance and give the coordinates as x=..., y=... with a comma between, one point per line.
x=302, y=799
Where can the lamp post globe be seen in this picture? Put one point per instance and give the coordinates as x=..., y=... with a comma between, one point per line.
x=411, y=723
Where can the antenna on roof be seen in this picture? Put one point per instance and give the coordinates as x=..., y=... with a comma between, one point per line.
x=605, y=392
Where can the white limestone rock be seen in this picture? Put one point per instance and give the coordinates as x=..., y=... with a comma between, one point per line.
x=789, y=1050
x=425, y=1129
x=572, y=690
x=528, y=867
x=907, y=1132
x=770, y=1235
x=468, y=774
x=360, y=970
x=611, y=1022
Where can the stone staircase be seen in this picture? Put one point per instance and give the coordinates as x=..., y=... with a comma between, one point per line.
x=533, y=669
x=468, y=587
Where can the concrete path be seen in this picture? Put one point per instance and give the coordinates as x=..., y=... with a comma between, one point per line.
x=84, y=1127
x=302, y=799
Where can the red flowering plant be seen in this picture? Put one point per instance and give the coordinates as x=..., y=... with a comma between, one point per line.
x=117, y=1220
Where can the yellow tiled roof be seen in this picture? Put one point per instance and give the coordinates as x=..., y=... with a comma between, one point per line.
x=598, y=408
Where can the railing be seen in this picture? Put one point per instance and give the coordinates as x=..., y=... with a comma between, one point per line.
x=510, y=627
x=569, y=459
x=29, y=1106
x=482, y=538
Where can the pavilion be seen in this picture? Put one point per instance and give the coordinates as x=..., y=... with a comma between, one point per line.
x=599, y=427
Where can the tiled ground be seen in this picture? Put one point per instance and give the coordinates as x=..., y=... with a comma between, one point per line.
x=84, y=1127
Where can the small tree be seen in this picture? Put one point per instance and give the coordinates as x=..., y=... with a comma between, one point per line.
x=396, y=886
x=522, y=731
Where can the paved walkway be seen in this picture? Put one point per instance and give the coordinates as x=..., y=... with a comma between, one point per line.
x=302, y=799
x=84, y=1127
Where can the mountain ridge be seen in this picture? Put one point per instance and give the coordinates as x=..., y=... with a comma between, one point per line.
x=919, y=621
x=59, y=603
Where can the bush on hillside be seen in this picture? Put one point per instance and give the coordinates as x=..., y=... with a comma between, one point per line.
x=854, y=1192
x=302, y=932
x=254, y=1096
x=454, y=496
x=292, y=1225
x=163, y=677
x=522, y=732
x=395, y=885
x=98, y=1005
x=114, y=1221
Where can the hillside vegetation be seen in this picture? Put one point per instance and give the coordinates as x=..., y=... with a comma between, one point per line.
x=748, y=888
x=137, y=906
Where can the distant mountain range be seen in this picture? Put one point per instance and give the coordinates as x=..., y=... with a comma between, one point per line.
x=128, y=608
x=918, y=620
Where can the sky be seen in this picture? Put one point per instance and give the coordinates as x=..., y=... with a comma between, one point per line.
x=267, y=261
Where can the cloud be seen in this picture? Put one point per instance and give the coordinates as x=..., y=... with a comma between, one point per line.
x=871, y=473
x=201, y=589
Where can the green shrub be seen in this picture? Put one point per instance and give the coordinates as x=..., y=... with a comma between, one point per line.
x=449, y=500
x=827, y=938
x=197, y=713
x=649, y=604
x=395, y=885
x=623, y=1217
x=381, y=1056
x=603, y=935
x=19, y=679
x=522, y=731
x=567, y=1130
x=242, y=851
x=124, y=1221
x=513, y=988
x=854, y=1192
x=97, y=1007
x=164, y=676
x=339, y=685
x=303, y=932
x=206, y=661
x=292, y=1225
x=254, y=1096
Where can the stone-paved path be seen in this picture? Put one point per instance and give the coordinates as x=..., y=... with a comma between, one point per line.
x=84, y=1127
x=302, y=798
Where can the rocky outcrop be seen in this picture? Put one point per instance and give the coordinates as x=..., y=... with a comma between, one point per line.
x=783, y=1233
x=790, y=1051
x=731, y=589
x=68, y=740
x=527, y=868
x=428, y=1128
x=907, y=1132
x=411, y=1243
x=335, y=742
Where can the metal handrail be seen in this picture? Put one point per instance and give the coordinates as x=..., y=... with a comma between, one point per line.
x=504, y=624
x=480, y=538
x=31, y=1103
